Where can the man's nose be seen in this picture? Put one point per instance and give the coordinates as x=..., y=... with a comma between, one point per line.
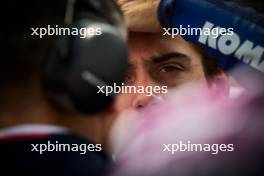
x=146, y=99
x=143, y=101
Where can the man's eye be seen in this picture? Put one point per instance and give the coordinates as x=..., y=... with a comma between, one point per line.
x=169, y=74
x=168, y=69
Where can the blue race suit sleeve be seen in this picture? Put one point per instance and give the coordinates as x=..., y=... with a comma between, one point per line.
x=244, y=46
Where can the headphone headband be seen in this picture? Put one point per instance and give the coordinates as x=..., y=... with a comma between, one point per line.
x=69, y=12
x=72, y=58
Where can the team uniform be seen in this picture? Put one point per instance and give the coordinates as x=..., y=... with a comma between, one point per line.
x=19, y=157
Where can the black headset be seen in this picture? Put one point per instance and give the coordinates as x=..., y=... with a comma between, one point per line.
x=76, y=66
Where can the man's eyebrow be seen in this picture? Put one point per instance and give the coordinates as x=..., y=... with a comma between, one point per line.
x=168, y=56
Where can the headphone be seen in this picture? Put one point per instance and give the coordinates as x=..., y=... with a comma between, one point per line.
x=77, y=65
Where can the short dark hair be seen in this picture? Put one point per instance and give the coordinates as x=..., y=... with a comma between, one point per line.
x=210, y=65
x=209, y=62
x=23, y=55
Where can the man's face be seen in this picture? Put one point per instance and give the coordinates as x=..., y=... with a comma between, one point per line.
x=156, y=60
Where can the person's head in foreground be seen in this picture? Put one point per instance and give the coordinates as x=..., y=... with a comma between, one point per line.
x=23, y=97
x=27, y=114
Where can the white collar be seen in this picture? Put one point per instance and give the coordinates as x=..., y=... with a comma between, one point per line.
x=32, y=129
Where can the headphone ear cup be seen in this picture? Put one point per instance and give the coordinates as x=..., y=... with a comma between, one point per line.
x=99, y=60
x=55, y=73
x=79, y=64
x=58, y=60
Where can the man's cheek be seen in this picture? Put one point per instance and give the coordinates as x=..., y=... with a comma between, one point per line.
x=190, y=76
x=123, y=102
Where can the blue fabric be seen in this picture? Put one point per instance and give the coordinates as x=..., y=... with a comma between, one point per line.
x=18, y=159
x=246, y=23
